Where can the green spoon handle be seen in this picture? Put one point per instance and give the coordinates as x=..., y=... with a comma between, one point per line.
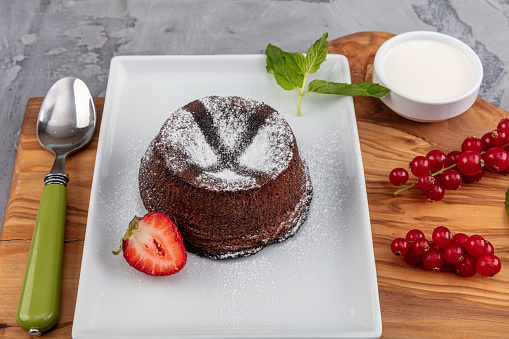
x=39, y=303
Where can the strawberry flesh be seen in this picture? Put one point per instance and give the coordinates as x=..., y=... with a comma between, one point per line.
x=153, y=245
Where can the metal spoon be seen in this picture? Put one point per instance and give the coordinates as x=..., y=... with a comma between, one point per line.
x=66, y=122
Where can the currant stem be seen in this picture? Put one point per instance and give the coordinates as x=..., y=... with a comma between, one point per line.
x=405, y=188
x=415, y=183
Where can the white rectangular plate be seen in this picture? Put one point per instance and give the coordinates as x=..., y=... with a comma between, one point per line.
x=319, y=284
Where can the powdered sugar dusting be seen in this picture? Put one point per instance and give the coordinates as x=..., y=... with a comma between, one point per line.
x=246, y=153
x=230, y=125
x=229, y=177
x=264, y=156
x=182, y=133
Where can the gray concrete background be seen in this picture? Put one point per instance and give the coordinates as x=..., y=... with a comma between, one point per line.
x=42, y=40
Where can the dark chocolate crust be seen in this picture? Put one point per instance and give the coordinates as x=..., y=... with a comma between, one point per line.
x=216, y=219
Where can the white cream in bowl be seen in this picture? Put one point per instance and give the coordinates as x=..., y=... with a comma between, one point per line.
x=432, y=76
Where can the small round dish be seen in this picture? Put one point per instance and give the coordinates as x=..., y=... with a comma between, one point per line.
x=432, y=76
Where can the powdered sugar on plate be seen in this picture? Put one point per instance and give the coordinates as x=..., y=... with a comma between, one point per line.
x=320, y=283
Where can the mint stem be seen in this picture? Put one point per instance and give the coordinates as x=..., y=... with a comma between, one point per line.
x=301, y=93
x=298, y=102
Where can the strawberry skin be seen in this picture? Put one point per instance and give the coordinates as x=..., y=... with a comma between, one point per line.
x=153, y=245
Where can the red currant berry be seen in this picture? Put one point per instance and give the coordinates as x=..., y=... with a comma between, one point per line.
x=475, y=245
x=460, y=239
x=436, y=193
x=504, y=125
x=433, y=259
x=426, y=182
x=398, y=176
x=400, y=246
x=419, y=166
x=453, y=253
x=487, y=141
x=415, y=234
x=466, y=267
x=442, y=237
x=489, y=249
x=451, y=179
x=498, y=137
x=421, y=246
x=438, y=179
x=476, y=177
x=437, y=160
x=496, y=159
x=412, y=258
x=472, y=144
x=452, y=158
x=470, y=162
x=487, y=265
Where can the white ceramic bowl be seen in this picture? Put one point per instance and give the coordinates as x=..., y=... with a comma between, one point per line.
x=427, y=108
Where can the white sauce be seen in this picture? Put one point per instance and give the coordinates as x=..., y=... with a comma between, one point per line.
x=428, y=69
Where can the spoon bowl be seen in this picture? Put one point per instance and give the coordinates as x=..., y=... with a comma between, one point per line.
x=66, y=123
x=66, y=120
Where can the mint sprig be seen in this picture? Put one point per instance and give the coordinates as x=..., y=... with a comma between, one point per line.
x=292, y=69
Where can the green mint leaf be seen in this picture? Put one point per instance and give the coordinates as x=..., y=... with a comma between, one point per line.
x=316, y=55
x=292, y=69
x=285, y=66
x=507, y=201
x=287, y=77
x=275, y=54
x=297, y=61
x=361, y=89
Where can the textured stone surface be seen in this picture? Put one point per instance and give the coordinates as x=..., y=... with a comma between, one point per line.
x=42, y=41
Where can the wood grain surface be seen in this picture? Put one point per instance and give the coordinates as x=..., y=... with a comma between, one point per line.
x=414, y=302
x=32, y=163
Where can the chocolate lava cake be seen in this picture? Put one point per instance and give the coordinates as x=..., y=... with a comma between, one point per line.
x=228, y=171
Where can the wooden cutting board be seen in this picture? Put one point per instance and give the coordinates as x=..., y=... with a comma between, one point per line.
x=414, y=302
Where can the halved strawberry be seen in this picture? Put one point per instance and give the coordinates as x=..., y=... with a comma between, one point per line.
x=153, y=245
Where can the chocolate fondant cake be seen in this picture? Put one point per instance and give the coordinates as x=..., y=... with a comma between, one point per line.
x=228, y=171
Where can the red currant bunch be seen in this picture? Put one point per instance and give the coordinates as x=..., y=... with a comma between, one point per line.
x=467, y=255
x=437, y=171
